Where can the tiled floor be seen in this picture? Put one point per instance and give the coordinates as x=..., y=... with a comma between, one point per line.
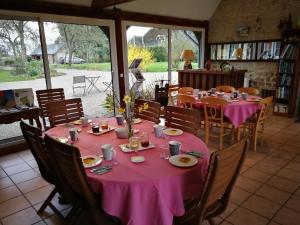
x=267, y=190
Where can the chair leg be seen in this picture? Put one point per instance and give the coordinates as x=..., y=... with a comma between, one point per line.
x=206, y=132
x=254, y=138
x=48, y=200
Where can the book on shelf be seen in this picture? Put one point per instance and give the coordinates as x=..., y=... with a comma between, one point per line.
x=283, y=93
x=285, y=67
x=288, y=52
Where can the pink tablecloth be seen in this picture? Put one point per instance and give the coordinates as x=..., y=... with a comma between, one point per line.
x=149, y=193
x=238, y=111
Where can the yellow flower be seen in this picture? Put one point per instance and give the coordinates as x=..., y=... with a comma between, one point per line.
x=146, y=106
x=121, y=110
x=140, y=109
x=127, y=99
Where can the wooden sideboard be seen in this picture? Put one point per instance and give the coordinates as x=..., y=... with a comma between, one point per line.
x=206, y=79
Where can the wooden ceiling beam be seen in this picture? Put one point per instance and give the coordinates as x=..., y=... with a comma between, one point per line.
x=100, y=4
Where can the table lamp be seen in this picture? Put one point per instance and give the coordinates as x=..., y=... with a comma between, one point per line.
x=187, y=55
x=238, y=53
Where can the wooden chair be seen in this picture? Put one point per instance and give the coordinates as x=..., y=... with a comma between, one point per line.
x=64, y=111
x=48, y=95
x=186, y=101
x=224, y=168
x=185, y=119
x=225, y=88
x=255, y=125
x=172, y=94
x=249, y=90
x=34, y=140
x=74, y=179
x=214, y=118
x=151, y=114
x=186, y=91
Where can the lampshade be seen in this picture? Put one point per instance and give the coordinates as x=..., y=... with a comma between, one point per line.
x=187, y=54
x=238, y=53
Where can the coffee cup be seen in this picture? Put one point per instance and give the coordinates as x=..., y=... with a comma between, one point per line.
x=195, y=92
x=244, y=96
x=120, y=120
x=108, y=151
x=122, y=132
x=174, y=147
x=73, y=134
x=158, y=130
x=95, y=128
x=84, y=121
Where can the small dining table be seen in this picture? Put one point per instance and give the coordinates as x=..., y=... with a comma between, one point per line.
x=147, y=193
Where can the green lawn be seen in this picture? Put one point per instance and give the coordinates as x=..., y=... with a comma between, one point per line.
x=5, y=76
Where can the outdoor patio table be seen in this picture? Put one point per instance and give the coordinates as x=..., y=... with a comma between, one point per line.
x=92, y=80
x=237, y=111
x=147, y=193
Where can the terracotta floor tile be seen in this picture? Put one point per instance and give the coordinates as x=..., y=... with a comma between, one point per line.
x=273, y=194
x=243, y=216
x=11, y=161
x=2, y=173
x=38, y=195
x=247, y=184
x=21, y=167
x=297, y=192
x=26, y=155
x=40, y=223
x=239, y=195
x=25, y=217
x=297, y=159
x=281, y=154
x=290, y=148
x=8, y=193
x=5, y=182
x=283, y=184
x=13, y=205
x=287, y=216
x=32, y=184
x=255, y=155
x=249, y=162
x=266, y=167
x=257, y=175
x=261, y=206
x=293, y=166
x=32, y=164
x=244, y=168
x=24, y=176
x=230, y=208
x=273, y=223
x=289, y=174
x=280, y=162
x=294, y=203
x=225, y=223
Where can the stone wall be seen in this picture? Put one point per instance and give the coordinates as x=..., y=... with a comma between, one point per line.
x=262, y=16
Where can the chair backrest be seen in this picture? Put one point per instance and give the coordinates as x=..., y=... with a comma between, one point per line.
x=48, y=95
x=214, y=109
x=225, y=88
x=34, y=140
x=186, y=101
x=266, y=108
x=161, y=94
x=185, y=119
x=151, y=114
x=224, y=168
x=249, y=90
x=186, y=90
x=71, y=172
x=64, y=111
x=78, y=79
x=173, y=88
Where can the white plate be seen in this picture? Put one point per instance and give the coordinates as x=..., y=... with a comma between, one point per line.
x=137, y=120
x=183, y=160
x=90, y=161
x=173, y=131
x=125, y=148
x=253, y=100
x=78, y=122
x=101, y=131
x=137, y=159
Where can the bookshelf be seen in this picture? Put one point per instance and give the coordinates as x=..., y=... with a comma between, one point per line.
x=288, y=76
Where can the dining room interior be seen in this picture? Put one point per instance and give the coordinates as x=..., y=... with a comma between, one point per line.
x=139, y=112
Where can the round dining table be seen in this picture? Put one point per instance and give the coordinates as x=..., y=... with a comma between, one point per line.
x=147, y=193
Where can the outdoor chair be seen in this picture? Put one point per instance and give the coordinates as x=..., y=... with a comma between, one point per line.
x=64, y=111
x=34, y=140
x=172, y=94
x=185, y=119
x=215, y=119
x=225, y=88
x=186, y=101
x=79, y=82
x=224, y=168
x=73, y=176
x=151, y=114
x=186, y=90
x=45, y=96
x=249, y=90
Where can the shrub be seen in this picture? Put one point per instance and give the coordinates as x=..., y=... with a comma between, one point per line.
x=34, y=68
x=140, y=52
x=9, y=62
x=160, y=53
